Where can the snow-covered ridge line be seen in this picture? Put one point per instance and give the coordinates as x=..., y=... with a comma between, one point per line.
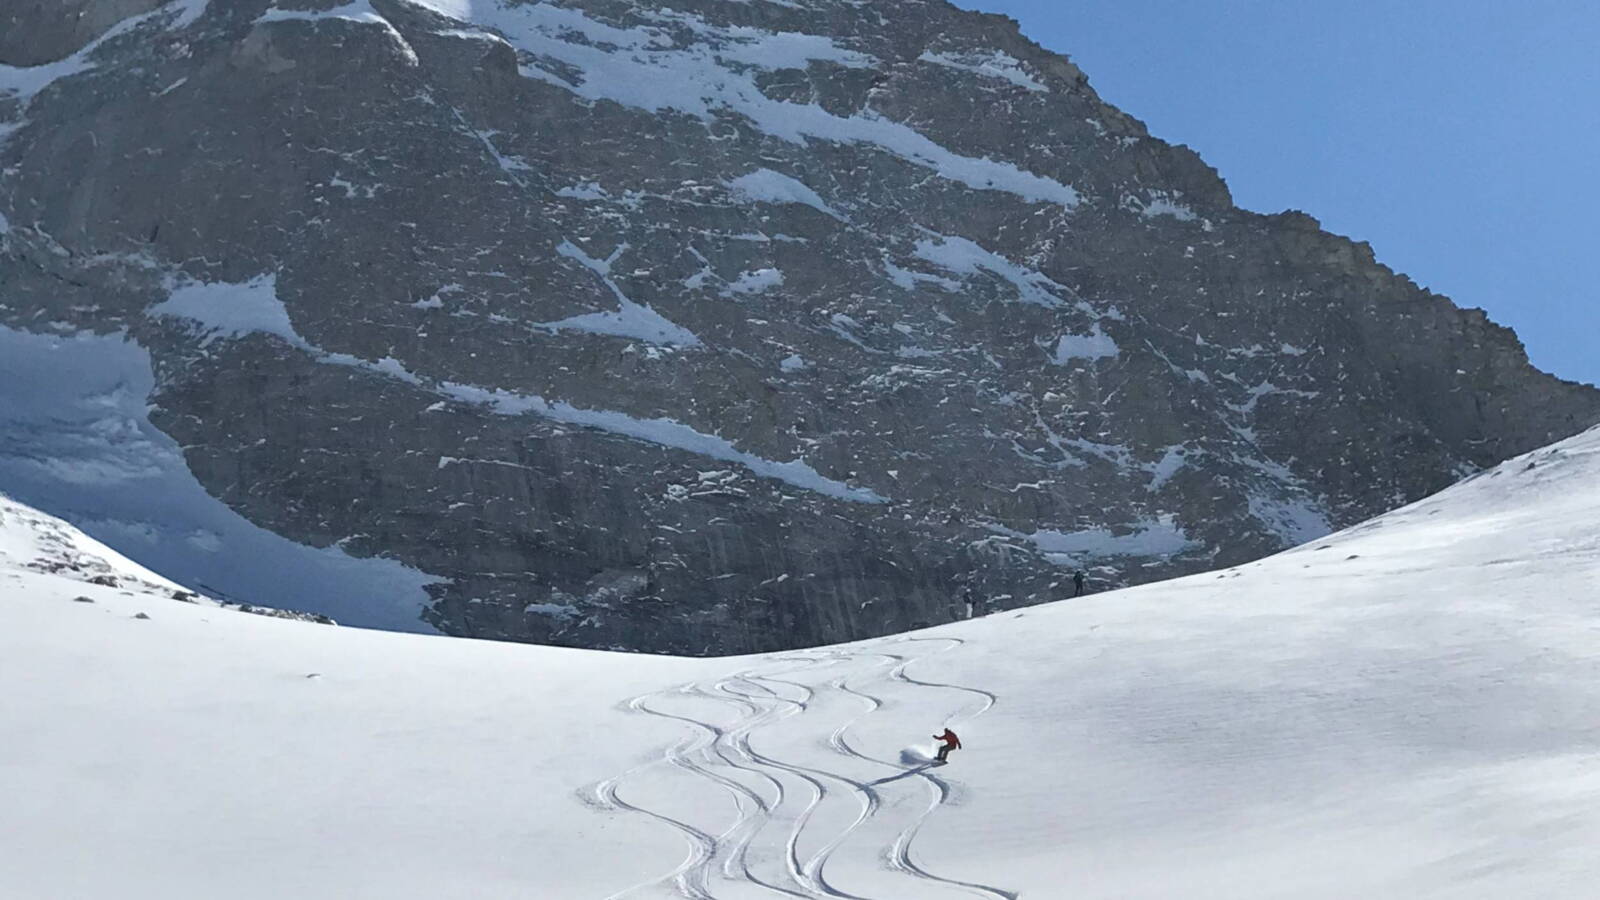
x=646, y=68
x=235, y=310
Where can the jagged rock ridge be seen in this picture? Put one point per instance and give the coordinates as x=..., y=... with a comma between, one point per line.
x=717, y=326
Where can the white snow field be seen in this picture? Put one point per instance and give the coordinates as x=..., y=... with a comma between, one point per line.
x=1408, y=709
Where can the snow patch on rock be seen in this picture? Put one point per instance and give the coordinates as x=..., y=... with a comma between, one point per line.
x=1094, y=345
x=758, y=281
x=767, y=186
x=987, y=63
x=1160, y=204
x=1295, y=520
x=631, y=320
x=23, y=82
x=355, y=11
x=588, y=190
x=221, y=310
x=662, y=431
x=966, y=257
x=1160, y=536
x=712, y=72
x=234, y=310
x=1167, y=466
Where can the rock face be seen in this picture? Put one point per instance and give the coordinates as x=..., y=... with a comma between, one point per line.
x=713, y=327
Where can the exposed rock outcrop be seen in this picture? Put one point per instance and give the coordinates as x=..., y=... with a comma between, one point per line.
x=714, y=327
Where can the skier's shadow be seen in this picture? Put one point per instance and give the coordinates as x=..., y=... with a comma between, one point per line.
x=918, y=763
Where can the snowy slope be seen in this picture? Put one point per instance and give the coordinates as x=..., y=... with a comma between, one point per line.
x=1406, y=709
x=31, y=541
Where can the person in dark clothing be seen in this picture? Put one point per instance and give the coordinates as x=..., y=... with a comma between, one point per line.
x=1078, y=579
x=951, y=742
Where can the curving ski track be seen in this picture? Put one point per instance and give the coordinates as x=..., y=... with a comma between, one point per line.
x=777, y=803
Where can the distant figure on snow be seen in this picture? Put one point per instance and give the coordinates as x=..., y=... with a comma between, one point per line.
x=976, y=605
x=1078, y=578
x=951, y=742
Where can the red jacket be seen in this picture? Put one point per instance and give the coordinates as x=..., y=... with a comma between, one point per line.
x=949, y=738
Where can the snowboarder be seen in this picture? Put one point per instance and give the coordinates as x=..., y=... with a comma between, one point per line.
x=1078, y=578
x=951, y=742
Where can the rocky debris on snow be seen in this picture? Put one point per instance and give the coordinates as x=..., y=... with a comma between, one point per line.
x=48, y=545
x=275, y=613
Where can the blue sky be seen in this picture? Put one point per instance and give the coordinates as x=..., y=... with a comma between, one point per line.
x=1461, y=138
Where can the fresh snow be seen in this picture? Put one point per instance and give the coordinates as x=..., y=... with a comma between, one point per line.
x=1405, y=709
x=767, y=186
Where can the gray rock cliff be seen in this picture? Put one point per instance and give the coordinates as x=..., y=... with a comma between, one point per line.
x=715, y=327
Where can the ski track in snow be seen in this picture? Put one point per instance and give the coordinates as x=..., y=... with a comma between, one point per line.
x=791, y=819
